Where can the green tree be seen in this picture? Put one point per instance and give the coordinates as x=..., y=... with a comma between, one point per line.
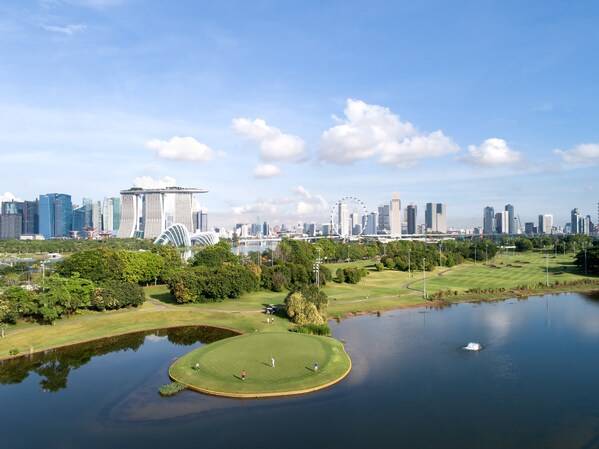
x=301, y=311
x=215, y=255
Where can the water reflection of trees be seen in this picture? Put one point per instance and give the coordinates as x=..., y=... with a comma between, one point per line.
x=54, y=366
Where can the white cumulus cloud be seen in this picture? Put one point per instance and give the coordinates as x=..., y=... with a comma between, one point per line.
x=181, y=149
x=302, y=204
x=309, y=204
x=274, y=144
x=583, y=154
x=492, y=152
x=260, y=207
x=266, y=171
x=6, y=197
x=369, y=130
x=147, y=182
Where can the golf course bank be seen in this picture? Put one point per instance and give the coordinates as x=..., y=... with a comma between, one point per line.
x=263, y=365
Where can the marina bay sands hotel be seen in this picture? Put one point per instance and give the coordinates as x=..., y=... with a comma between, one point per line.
x=145, y=214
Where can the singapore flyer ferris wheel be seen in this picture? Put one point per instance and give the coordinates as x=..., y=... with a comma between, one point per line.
x=347, y=215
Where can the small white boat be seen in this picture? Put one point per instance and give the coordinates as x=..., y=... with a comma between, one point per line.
x=473, y=346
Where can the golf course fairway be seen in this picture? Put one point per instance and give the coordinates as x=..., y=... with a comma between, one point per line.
x=216, y=368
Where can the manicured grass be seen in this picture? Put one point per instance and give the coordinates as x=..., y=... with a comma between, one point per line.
x=507, y=271
x=378, y=291
x=151, y=315
x=219, y=365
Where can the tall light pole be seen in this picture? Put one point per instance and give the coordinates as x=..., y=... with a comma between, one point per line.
x=424, y=277
x=316, y=269
x=546, y=268
x=409, y=263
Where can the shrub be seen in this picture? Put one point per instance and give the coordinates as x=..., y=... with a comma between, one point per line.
x=313, y=329
x=117, y=294
x=379, y=266
x=171, y=389
x=13, y=351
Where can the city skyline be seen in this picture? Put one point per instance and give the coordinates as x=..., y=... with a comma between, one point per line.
x=148, y=212
x=468, y=121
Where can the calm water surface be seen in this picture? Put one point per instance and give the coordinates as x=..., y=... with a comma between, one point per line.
x=535, y=385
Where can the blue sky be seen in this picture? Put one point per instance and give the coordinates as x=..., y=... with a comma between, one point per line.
x=279, y=108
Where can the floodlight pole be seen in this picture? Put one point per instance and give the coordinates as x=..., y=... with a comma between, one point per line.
x=424, y=277
x=546, y=269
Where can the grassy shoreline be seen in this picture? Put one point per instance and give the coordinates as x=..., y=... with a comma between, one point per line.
x=378, y=292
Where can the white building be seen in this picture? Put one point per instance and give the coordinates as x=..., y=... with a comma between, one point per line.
x=395, y=215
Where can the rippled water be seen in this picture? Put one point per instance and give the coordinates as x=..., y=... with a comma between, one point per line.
x=535, y=385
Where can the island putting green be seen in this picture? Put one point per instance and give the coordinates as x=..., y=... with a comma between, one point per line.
x=216, y=368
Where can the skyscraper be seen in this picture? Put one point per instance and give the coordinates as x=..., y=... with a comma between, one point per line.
x=435, y=218
x=30, y=218
x=529, y=228
x=143, y=211
x=108, y=214
x=502, y=222
x=395, y=215
x=343, y=220
x=97, y=216
x=412, y=214
x=574, y=221
x=55, y=215
x=10, y=226
x=383, y=222
x=489, y=221
x=545, y=224
x=371, y=223
x=201, y=222
x=511, y=219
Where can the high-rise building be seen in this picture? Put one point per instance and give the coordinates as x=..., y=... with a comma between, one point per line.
x=489, y=221
x=354, y=224
x=79, y=219
x=574, y=221
x=343, y=220
x=55, y=215
x=529, y=228
x=12, y=207
x=371, y=223
x=412, y=215
x=143, y=210
x=384, y=219
x=586, y=225
x=430, y=217
x=111, y=214
x=265, y=228
x=30, y=218
x=28, y=212
x=10, y=226
x=545, y=224
x=97, y=216
x=395, y=215
x=435, y=218
x=312, y=230
x=511, y=219
x=502, y=222
x=200, y=222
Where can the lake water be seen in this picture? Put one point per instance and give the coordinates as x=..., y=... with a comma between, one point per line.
x=535, y=385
